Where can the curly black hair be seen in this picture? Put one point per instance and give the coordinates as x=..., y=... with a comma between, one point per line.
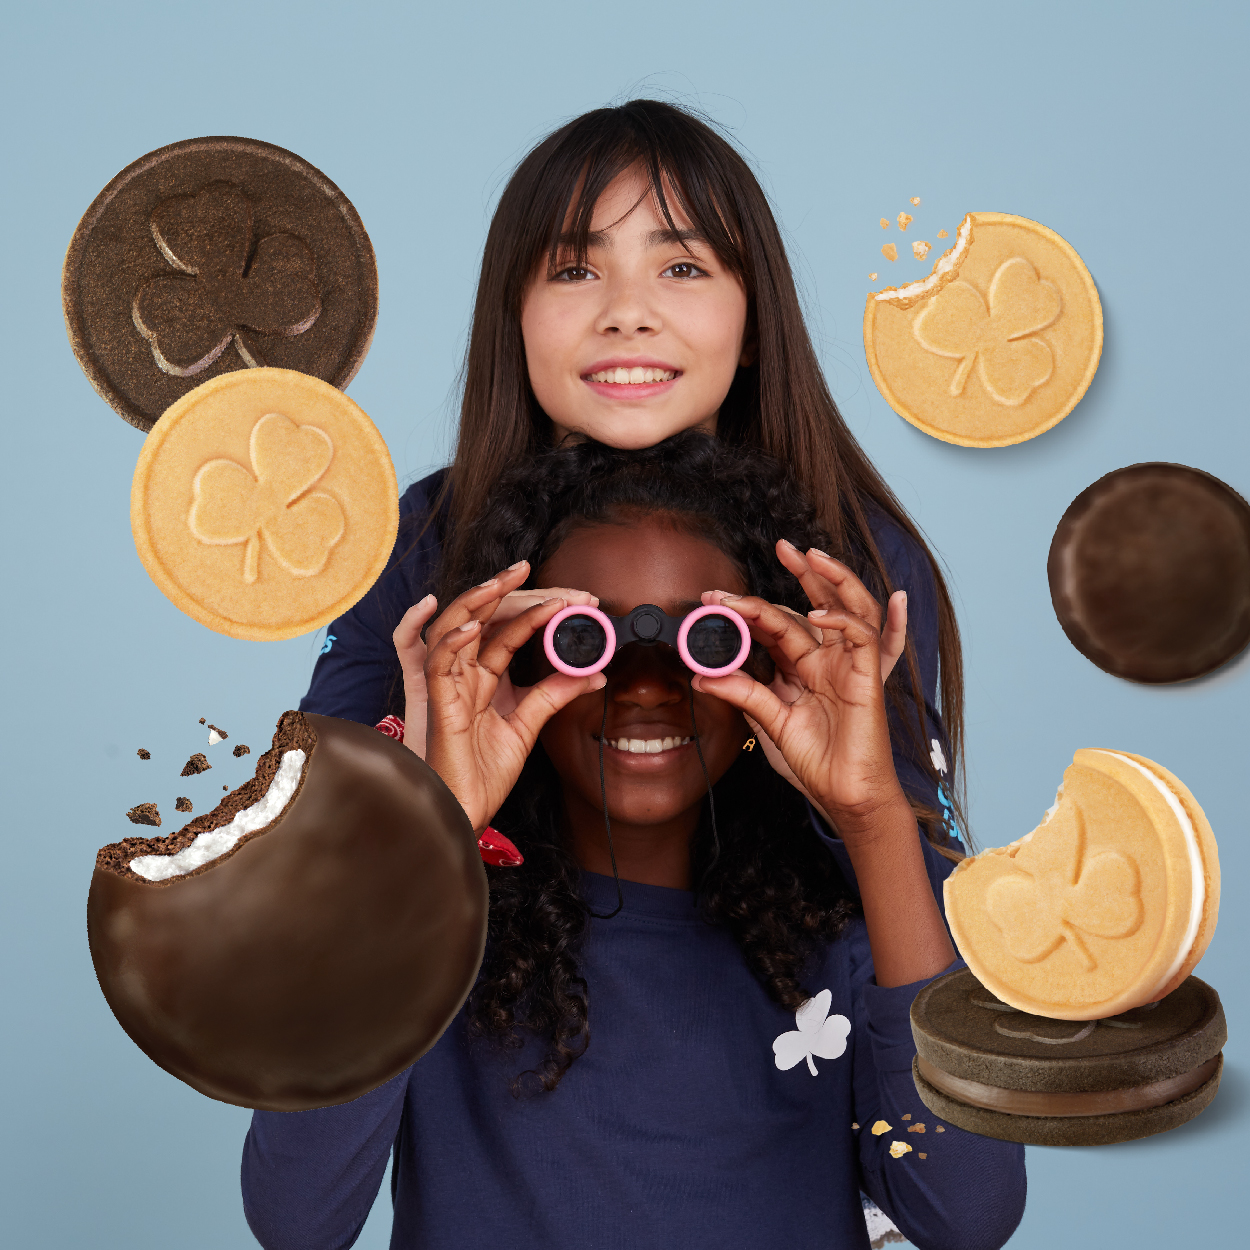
x=772, y=884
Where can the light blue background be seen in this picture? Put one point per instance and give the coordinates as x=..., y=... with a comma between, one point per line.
x=1121, y=126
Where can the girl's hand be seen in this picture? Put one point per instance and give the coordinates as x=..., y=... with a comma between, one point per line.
x=828, y=721
x=477, y=751
x=829, y=584
x=412, y=650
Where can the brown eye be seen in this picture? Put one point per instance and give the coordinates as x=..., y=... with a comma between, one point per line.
x=574, y=273
x=684, y=269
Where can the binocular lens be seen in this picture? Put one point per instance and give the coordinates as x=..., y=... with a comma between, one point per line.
x=713, y=641
x=579, y=641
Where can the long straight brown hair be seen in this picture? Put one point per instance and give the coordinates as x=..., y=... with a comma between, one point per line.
x=780, y=403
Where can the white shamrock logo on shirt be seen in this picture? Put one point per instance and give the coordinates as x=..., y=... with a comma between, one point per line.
x=937, y=756
x=816, y=1035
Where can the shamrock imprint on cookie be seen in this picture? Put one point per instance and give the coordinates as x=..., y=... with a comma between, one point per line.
x=1058, y=894
x=229, y=505
x=225, y=290
x=815, y=1035
x=957, y=322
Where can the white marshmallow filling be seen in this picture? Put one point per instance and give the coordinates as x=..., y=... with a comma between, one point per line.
x=1198, y=890
x=216, y=842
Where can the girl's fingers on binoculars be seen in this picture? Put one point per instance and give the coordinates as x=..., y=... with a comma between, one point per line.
x=478, y=603
x=776, y=628
x=894, y=636
x=507, y=639
x=812, y=571
x=851, y=593
x=517, y=601
x=543, y=701
x=757, y=702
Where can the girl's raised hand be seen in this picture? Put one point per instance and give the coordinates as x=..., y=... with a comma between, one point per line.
x=411, y=649
x=828, y=721
x=478, y=751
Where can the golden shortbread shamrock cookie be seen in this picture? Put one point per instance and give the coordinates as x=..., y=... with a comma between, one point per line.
x=1106, y=905
x=997, y=344
x=264, y=503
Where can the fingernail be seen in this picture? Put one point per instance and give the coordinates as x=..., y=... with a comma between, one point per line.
x=427, y=599
x=789, y=544
x=468, y=625
x=518, y=565
x=819, y=612
x=599, y=682
x=904, y=594
x=553, y=599
x=490, y=581
x=818, y=551
x=726, y=595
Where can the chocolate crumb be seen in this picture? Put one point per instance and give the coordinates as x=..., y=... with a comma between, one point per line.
x=225, y=787
x=183, y=804
x=201, y=720
x=241, y=751
x=221, y=733
x=143, y=755
x=144, y=814
x=198, y=763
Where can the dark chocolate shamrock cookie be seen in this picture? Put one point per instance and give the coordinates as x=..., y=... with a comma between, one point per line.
x=1150, y=573
x=212, y=255
x=993, y=1070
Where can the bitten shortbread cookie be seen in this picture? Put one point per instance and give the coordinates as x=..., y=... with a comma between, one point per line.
x=997, y=344
x=264, y=504
x=1107, y=905
x=308, y=938
x=212, y=255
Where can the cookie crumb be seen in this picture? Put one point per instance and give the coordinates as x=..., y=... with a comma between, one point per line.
x=854, y=1126
x=183, y=804
x=198, y=763
x=922, y=1155
x=907, y=1116
x=920, y=249
x=201, y=720
x=880, y=1127
x=898, y=1149
x=890, y=252
x=941, y=234
x=144, y=814
x=915, y=1128
x=221, y=734
x=885, y=225
x=143, y=754
x=915, y=201
x=939, y=1129
x=241, y=751
x=225, y=787
x=904, y=220
x=872, y=277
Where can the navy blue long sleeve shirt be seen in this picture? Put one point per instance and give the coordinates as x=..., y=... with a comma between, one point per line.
x=677, y=1127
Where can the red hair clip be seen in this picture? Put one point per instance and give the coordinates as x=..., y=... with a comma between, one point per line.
x=493, y=847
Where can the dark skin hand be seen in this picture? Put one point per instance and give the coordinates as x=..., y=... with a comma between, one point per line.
x=827, y=719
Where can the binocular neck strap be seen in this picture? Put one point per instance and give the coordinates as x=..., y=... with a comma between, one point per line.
x=607, y=820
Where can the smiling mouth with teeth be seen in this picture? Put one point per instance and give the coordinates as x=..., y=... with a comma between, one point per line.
x=646, y=746
x=632, y=377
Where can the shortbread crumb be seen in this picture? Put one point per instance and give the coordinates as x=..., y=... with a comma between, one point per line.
x=898, y=1149
x=890, y=252
x=915, y=201
x=872, y=277
x=904, y=220
x=941, y=234
x=885, y=224
x=880, y=1127
x=920, y=249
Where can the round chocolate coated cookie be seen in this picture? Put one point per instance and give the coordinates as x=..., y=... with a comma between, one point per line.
x=306, y=940
x=210, y=255
x=1003, y=1073
x=1150, y=573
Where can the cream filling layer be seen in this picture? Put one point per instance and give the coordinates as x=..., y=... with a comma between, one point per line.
x=1198, y=890
x=949, y=260
x=216, y=842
